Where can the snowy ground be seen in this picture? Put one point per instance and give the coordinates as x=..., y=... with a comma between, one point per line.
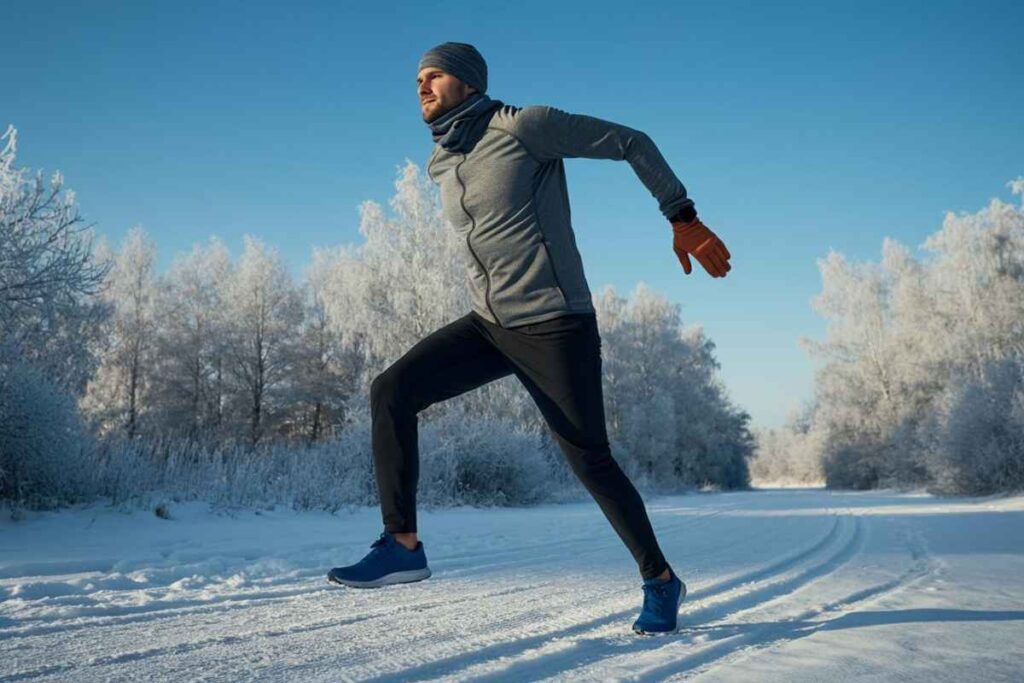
x=785, y=584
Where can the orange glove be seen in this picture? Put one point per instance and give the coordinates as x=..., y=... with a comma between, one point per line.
x=695, y=238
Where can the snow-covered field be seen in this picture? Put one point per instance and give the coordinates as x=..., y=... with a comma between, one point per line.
x=785, y=585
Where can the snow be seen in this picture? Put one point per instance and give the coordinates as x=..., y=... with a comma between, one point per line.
x=784, y=584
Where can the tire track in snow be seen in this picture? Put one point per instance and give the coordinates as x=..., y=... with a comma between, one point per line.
x=445, y=566
x=591, y=546
x=181, y=648
x=598, y=526
x=806, y=623
x=597, y=540
x=193, y=645
x=581, y=643
x=243, y=604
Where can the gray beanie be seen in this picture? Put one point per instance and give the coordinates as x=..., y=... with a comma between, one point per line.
x=460, y=60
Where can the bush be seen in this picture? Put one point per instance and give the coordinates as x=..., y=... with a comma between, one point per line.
x=852, y=466
x=482, y=462
x=981, y=448
x=44, y=448
x=325, y=476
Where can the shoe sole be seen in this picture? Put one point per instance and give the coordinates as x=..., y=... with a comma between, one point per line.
x=409, y=576
x=641, y=632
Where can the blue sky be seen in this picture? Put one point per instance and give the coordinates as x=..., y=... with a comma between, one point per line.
x=796, y=127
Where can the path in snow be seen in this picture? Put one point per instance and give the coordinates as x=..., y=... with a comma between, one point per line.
x=784, y=584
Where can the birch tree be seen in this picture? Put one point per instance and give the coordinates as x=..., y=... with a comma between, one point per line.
x=328, y=363
x=264, y=310
x=666, y=409
x=118, y=396
x=189, y=383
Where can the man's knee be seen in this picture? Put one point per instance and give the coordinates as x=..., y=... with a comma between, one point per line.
x=393, y=388
x=590, y=459
x=384, y=387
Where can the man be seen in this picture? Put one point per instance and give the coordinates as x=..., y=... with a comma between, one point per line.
x=503, y=188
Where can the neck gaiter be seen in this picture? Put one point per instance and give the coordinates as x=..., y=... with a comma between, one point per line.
x=458, y=130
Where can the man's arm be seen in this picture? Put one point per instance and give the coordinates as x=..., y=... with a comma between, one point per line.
x=550, y=133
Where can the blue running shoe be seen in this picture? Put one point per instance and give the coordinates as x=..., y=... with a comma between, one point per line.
x=388, y=562
x=661, y=605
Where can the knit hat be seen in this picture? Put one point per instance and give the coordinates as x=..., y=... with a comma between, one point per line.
x=460, y=60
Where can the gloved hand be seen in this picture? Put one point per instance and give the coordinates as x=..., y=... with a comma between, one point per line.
x=695, y=238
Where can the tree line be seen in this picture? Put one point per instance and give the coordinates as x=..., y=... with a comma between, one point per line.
x=921, y=383
x=229, y=379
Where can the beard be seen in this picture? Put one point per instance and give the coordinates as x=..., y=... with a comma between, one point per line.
x=435, y=113
x=442, y=110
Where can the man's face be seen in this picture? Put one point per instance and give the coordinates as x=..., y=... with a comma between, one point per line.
x=439, y=92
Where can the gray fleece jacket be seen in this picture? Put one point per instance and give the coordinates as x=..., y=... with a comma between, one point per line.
x=507, y=196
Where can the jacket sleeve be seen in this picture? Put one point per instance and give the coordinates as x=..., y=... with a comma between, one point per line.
x=550, y=133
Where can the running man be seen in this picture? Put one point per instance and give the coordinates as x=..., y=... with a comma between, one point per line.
x=503, y=189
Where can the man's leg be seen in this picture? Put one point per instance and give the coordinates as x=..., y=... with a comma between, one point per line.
x=559, y=363
x=450, y=361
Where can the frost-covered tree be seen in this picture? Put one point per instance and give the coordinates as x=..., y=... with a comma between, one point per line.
x=117, y=397
x=49, y=314
x=980, y=445
x=666, y=409
x=903, y=333
x=329, y=361
x=789, y=455
x=264, y=311
x=642, y=354
x=49, y=275
x=408, y=276
x=188, y=383
x=977, y=283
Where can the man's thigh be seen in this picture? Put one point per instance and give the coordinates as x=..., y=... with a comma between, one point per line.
x=559, y=363
x=450, y=361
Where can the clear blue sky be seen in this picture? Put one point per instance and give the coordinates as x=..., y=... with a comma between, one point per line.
x=796, y=128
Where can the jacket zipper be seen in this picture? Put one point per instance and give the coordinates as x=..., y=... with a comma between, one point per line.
x=487, y=277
